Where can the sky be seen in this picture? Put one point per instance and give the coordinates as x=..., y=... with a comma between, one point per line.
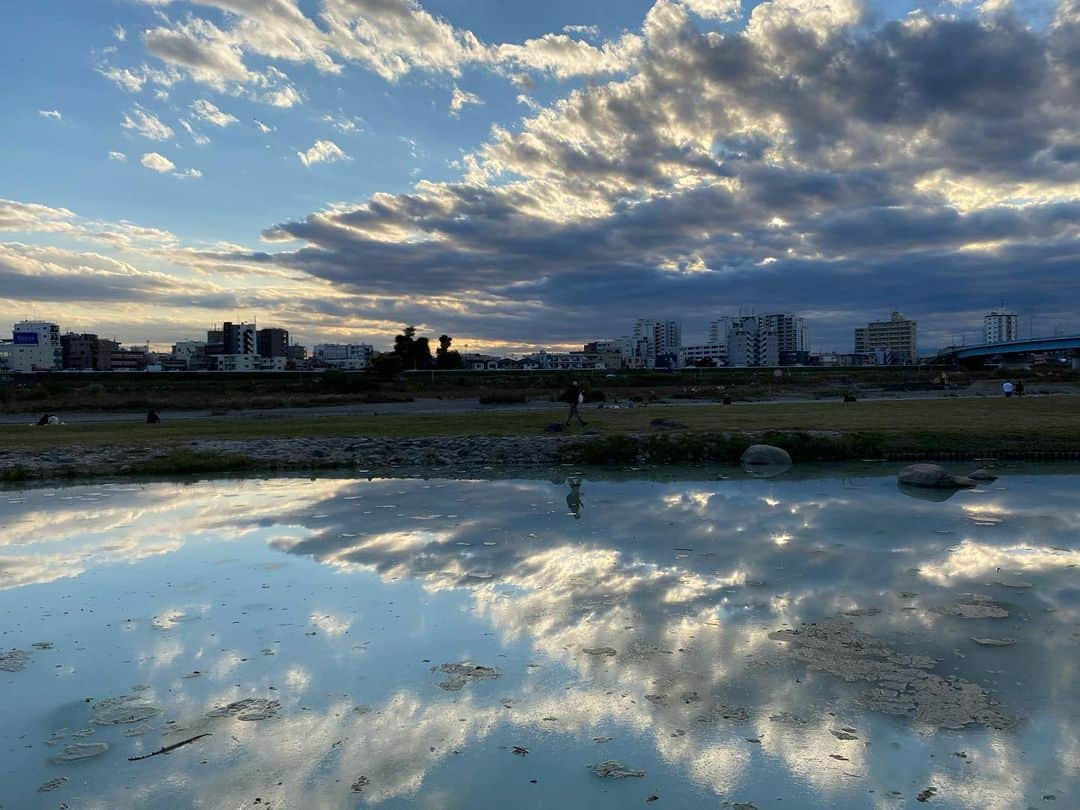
x=526, y=175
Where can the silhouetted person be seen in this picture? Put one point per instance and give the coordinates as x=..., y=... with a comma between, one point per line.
x=1019, y=388
x=152, y=417
x=574, y=397
x=573, y=499
x=44, y=420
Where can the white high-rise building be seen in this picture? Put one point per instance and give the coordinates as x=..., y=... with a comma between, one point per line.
x=761, y=340
x=653, y=339
x=752, y=342
x=718, y=329
x=1001, y=326
x=892, y=341
x=792, y=336
x=34, y=346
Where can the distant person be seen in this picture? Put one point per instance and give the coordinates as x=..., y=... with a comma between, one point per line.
x=1019, y=388
x=1007, y=388
x=574, y=397
x=573, y=499
x=152, y=417
x=44, y=420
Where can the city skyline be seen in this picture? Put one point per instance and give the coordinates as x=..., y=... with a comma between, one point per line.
x=525, y=177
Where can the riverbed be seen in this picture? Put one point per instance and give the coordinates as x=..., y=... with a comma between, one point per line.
x=688, y=638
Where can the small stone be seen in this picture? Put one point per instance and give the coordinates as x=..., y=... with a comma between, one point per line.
x=994, y=642
x=610, y=769
x=72, y=753
x=53, y=784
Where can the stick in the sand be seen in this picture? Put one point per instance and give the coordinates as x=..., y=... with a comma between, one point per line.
x=168, y=748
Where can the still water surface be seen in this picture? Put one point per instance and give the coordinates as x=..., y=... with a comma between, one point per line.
x=302, y=624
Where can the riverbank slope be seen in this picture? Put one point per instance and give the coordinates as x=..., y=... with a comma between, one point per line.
x=1032, y=427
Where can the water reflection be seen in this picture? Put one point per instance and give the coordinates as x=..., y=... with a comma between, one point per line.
x=645, y=619
x=573, y=499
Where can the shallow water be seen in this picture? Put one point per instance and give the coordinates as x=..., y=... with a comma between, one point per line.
x=626, y=621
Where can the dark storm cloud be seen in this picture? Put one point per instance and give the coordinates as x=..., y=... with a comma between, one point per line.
x=783, y=159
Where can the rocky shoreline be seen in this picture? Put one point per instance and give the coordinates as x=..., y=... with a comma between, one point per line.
x=289, y=454
x=450, y=452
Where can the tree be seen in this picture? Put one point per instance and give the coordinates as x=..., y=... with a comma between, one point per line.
x=445, y=358
x=387, y=366
x=421, y=354
x=403, y=346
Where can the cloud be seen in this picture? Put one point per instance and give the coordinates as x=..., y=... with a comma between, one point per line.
x=20, y=216
x=157, y=162
x=341, y=123
x=584, y=30
x=807, y=148
x=211, y=114
x=459, y=98
x=132, y=80
x=147, y=124
x=392, y=38
x=118, y=156
x=119, y=33
x=322, y=152
x=54, y=114
x=842, y=134
x=714, y=9
x=264, y=128
x=162, y=165
x=197, y=137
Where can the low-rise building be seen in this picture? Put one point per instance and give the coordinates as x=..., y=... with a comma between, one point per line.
x=245, y=362
x=191, y=354
x=34, y=346
x=132, y=358
x=480, y=362
x=612, y=353
x=694, y=355
x=562, y=361
x=86, y=352
x=841, y=360
x=347, y=356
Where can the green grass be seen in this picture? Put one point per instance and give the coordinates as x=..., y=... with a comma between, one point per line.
x=1049, y=422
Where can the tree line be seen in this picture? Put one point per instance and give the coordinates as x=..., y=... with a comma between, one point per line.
x=412, y=353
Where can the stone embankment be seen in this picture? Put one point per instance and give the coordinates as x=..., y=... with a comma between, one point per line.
x=458, y=452
x=288, y=454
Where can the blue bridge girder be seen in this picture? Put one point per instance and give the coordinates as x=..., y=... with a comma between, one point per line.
x=1027, y=346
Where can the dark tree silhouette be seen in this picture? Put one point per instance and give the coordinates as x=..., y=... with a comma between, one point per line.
x=445, y=357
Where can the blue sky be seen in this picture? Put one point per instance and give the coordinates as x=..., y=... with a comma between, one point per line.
x=522, y=175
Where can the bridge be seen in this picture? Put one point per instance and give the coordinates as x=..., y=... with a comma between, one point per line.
x=1028, y=346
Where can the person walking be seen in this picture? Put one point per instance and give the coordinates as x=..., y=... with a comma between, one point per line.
x=1007, y=388
x=1019, y=388
x=574, y=397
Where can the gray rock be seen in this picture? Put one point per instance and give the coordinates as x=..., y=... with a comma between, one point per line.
x=761, y=454
x=932, y=475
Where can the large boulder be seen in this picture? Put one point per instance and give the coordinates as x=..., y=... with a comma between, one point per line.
x=764, y=454
x=933, y=476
